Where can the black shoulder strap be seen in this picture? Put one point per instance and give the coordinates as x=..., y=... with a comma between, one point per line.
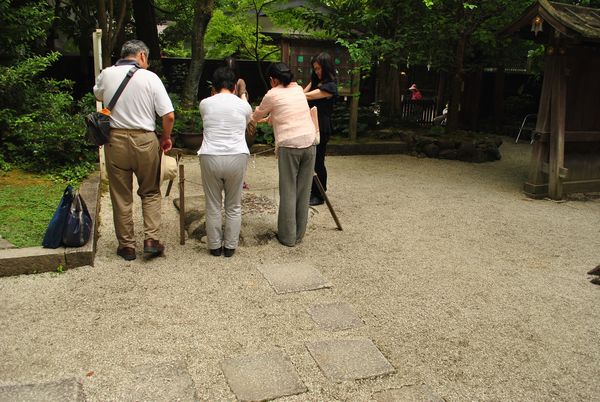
x=115, y=97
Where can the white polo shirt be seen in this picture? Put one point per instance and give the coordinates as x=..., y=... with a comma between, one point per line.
x=144, y=97
x=224, y=120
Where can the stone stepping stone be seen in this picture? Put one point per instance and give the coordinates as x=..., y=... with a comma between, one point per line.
x=409, y=393
x=65, y=390
x=335, y=316
x=293, y=277
x=164, y=382
x=349, y=359
x=261, y=377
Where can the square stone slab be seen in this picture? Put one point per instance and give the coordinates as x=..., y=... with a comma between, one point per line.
x=169, y=381
x=262, y=376
x=335, y=316
x=293, y=277
x=350, y=359
x=65, y=390
x=409, y=393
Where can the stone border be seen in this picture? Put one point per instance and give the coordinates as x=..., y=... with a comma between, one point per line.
x=31, y=260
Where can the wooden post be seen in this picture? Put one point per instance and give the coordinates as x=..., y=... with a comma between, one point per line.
x=97, y=49
x=355, y=88
x=181, y=205
x=557, y=136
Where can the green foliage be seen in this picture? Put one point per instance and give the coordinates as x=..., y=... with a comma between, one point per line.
x=21, y=24
x=26, y=206
x=264, y=134
x=47, y=133
x=233, y=30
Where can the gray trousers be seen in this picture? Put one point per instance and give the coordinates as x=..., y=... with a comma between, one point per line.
x=223, y=173
x=296, y=169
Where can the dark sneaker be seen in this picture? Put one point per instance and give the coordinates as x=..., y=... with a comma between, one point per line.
x=153, y=248
x=127, y=253
x=229, y=252
x=314, y=200
x=215, y=252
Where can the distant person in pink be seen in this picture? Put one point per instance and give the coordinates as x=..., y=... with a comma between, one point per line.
x=415, y=93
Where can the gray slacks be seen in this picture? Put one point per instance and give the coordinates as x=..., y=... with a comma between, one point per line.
x=223, y=173
x=296, y=169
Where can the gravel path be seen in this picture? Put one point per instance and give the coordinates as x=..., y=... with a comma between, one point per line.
x=463, y=283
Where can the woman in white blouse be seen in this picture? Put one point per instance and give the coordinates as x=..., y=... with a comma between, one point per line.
x=223, y=160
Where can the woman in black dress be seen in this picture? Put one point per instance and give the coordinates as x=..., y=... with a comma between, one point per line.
x=321, y=92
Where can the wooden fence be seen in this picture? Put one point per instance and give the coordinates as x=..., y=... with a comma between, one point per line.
x=421, y=112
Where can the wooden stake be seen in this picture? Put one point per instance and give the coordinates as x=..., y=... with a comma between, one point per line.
x=181, y=205
x=322, y=191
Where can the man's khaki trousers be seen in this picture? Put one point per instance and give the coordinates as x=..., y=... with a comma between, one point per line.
x=132, y=152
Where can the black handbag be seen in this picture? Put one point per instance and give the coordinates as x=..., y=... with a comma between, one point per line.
x=71, y=224
x=98, y=123
x=78, y=226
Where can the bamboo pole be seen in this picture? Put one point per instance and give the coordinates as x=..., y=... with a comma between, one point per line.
x=324, y=194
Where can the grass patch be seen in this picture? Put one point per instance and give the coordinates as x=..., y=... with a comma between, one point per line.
x=27, y=203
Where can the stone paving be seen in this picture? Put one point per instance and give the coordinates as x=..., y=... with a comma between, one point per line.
x=263, y=376
x=294, y=277
x=272, y=375
x=64, y=390
x=335, y=316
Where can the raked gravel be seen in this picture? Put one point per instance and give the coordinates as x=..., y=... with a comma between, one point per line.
x=463, y=283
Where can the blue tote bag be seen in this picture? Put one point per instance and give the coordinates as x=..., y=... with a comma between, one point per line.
x=54, y=233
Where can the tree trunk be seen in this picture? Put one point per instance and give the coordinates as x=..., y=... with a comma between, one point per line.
x=202, y=15
x=145, y=26
x=456, y=86
x=389, y=89
x=111, y=23
x=499, y=98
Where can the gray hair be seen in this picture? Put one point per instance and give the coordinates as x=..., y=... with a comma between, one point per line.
x=133, y=47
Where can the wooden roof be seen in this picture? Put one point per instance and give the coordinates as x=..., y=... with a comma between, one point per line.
x=576, y=22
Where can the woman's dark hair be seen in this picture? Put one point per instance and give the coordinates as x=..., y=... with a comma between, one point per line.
x=223, y=77
x=327, y=68
x=281, y=72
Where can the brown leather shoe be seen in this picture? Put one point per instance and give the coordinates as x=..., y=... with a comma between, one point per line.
x=127, y=253
x=153, y=248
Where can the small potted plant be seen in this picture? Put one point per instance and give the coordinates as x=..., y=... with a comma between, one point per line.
x=188, y=128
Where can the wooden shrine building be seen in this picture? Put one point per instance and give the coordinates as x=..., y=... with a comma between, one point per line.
x=566, y=154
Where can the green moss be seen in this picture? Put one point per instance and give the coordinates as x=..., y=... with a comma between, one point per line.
x=27, y=203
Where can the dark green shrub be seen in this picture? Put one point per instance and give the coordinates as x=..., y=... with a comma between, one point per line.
x=41, y=126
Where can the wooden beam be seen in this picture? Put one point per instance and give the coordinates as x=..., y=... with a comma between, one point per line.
x=563, y=173
x=557, y=118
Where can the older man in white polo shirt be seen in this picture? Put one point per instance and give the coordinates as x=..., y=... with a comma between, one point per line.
x=134, y=147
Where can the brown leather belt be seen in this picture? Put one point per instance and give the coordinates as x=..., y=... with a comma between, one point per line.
x=132, y=130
